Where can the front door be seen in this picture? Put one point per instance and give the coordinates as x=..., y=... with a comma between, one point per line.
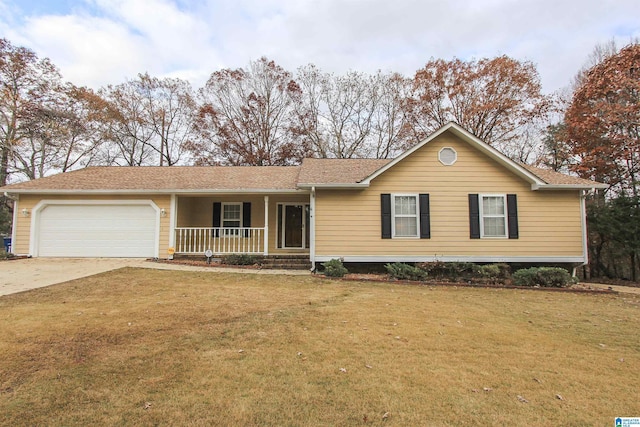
x=294, y=226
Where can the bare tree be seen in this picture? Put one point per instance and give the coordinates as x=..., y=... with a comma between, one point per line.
x=170, y=112
x=128, y=129
x=248, y=117
x=26, y=83
x=353, y=115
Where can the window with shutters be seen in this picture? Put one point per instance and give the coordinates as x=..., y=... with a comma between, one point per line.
x=493, y=215
x=405, y=214
x=231, y=217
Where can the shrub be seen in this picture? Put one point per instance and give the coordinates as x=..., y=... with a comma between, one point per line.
x=402, y=271
x=543, y=276
x=334, y=268
x=489, y=271
x=240, y=259
x=449, y=270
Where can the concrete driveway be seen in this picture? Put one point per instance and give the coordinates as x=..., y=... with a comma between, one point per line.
x=24, y=274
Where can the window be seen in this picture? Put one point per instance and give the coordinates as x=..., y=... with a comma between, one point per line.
x=405, y=215
x=231, y=216
x=493, y=215
x=447, y=156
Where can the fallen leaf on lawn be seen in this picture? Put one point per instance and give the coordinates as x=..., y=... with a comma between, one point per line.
x=602, y=345
x=343, y=370
x=537, y=380
x=398, y=337
x=385, y=415
x=522, y=399
x=368, y=366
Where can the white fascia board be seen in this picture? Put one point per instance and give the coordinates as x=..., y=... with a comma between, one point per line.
x=168, y=191
x=452, y=258
x=354, y=186
x=569, y=186
x=471, y=139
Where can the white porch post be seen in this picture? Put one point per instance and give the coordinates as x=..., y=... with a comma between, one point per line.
x=266, y=225
x=14, y=226
x=173, y=218
x=312, y=232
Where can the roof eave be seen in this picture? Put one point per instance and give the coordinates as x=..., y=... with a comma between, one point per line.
x=570, y=186
x=162, y=191
x=341, y=186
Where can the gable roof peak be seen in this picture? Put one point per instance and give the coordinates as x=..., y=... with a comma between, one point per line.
x=471, y=139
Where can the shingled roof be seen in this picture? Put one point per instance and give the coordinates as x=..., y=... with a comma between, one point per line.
x=166, y=179
x=556, y=178
x=191, y=179
x=337, y=171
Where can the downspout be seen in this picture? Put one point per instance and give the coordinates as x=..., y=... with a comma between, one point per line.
x=585, y=247
x=312, y=232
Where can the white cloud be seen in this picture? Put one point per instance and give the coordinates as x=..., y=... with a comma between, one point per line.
x=106, y=41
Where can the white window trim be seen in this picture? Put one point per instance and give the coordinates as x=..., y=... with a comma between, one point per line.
x=455, y=154
x=504, y=215
x=393, y=216
x=230, y=232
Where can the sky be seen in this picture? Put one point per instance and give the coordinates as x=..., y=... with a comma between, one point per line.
x=100, y=42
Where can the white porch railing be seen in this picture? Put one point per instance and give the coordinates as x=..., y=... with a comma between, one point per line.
x=196, y=240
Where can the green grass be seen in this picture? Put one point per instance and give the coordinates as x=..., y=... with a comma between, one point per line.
x=147, y=347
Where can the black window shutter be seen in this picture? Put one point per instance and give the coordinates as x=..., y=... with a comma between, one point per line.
x=217, y=215
x=474, y=217
x=512, y=214
x=385, y=208
x=425, y=220
x=246, y=217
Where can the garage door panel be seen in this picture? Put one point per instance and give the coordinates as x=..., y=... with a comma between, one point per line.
x=97, y=231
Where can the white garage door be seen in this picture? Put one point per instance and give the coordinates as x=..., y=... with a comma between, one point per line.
x=97, y=231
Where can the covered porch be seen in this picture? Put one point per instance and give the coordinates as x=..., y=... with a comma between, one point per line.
x=257, y=224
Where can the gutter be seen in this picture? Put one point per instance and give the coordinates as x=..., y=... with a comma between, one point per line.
x=164, y=192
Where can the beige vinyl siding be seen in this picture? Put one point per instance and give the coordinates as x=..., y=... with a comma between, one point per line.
x=348, y=222
x=198, y=212
x=29, y=201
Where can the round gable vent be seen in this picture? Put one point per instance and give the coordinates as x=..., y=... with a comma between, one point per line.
x=447, y=156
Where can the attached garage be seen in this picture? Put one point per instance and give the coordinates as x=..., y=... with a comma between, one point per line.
x=125, y=229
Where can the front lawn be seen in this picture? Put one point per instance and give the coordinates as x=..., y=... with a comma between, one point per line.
x=151, y=347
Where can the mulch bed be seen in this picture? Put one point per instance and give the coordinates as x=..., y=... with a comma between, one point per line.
x=203, y=263
x=376, y=277
x=579, y=288
x=617, y=282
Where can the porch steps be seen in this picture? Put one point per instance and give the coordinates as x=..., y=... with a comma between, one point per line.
x=286, y=262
